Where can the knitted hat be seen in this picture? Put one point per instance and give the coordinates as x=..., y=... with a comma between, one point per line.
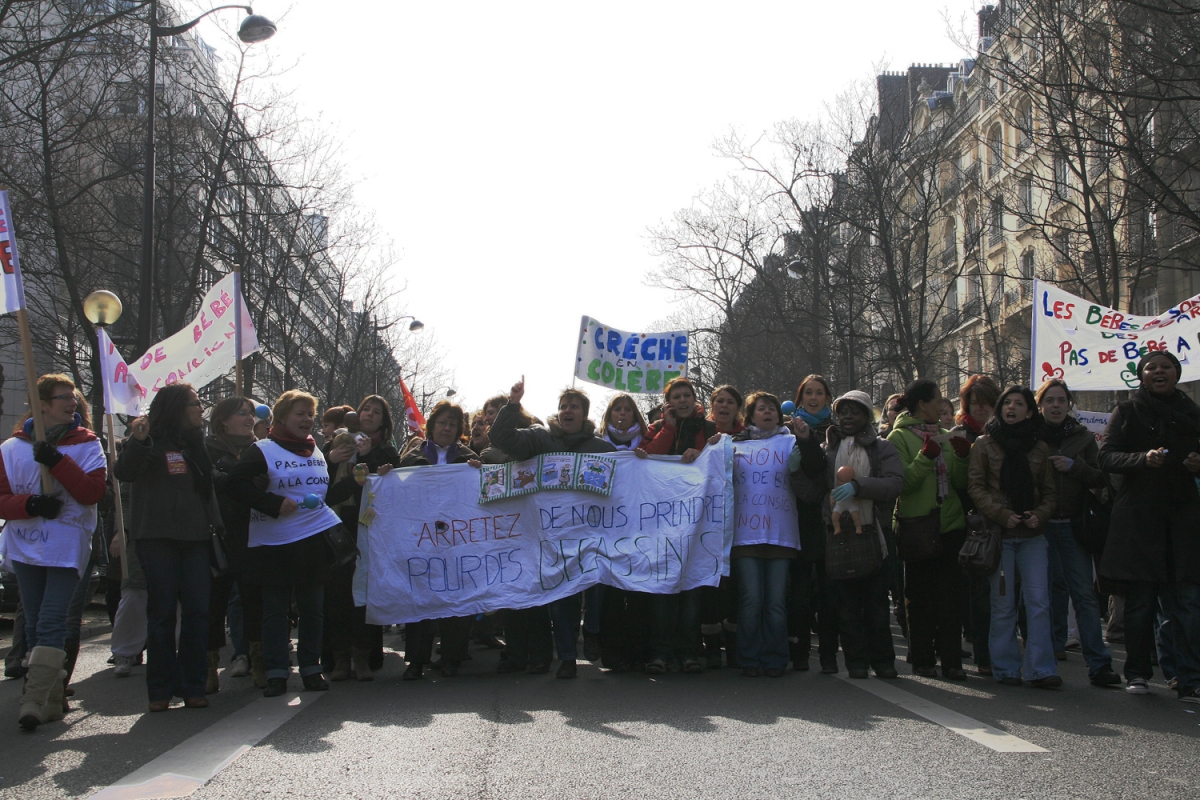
x=855, y=396
x=1153, y=353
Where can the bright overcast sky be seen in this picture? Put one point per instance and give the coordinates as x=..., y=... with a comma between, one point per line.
x=516, y=153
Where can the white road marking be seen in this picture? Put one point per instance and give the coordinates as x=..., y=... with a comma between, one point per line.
x=185, y=768
x=961, y=724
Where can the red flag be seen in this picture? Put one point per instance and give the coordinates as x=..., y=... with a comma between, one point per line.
x=416, y=420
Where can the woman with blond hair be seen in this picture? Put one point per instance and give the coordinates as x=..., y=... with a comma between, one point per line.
x=287, y=553
x=48, y=538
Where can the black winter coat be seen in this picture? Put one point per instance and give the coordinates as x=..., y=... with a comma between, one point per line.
x=523, y=443
x=167, y=488
x=1155, y=530
x=234, y=515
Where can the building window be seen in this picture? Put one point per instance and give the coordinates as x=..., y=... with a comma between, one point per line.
x=995, y=223
x=995, y=144
x=950, y=244
x=1026, y=269
x=1025, y=127
x=1062, y=178
x=1025, y=198
x=127, y=100
x=1147, y=304
x=1062, y=247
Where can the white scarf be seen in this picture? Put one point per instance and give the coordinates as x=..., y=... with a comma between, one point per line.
x=851, y=454
x=764, y=433
x=623, y=440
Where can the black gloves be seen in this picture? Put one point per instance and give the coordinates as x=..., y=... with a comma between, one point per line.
x=43, y=505
x=47, y=454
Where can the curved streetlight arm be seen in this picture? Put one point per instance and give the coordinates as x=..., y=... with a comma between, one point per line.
x=175, y=30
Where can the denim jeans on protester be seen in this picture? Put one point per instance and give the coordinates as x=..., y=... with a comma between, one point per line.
x=46, y=594
x=277, y=628
x=1068, y=560
x=1027, y=558
x=675, y=626
x=83, y=590
x=564, y=617
x=762, y=635
x=178, y=576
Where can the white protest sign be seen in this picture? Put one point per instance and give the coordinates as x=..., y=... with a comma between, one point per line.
x=122, y=394
x=1094, y=348
x=433, y=551
x=12, y=293
x=1094, y=421
x=629, y=362
x=763, y=497
x=198, y=354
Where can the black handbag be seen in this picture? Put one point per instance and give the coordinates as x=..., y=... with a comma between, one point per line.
x=217, y=551
x=980, y=553
x=342, y=547
x=1091, y=532
x=919, y=538
x=849, y=554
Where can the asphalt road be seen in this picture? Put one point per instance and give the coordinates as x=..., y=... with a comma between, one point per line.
x=483, y=735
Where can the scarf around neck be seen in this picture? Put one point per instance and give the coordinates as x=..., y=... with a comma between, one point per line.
x=1055, y=435
x=1016, y=477
x=624, y=440
x=970, y=423
x=763, y=433
x=927, y=430
x=851, y=454
x=431, y=452
x=813, y=420
x=285, y=439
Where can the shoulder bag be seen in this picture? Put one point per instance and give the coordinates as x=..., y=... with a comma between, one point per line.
x=849, y=554
x=980, y=553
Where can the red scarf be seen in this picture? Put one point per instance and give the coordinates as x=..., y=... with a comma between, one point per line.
x=287, y=440
x=974, y=425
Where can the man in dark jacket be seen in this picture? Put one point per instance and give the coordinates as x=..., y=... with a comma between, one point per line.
x=568, y=431
x=861, y=602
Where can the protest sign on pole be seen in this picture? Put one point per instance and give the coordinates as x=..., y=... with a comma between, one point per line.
x=433, y=551
x=204, y=350
x=14, y=301
x=629, y=362
x=1095, y=348
x=763, y=496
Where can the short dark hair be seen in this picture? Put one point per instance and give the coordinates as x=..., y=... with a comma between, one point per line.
x=980, y=388
x=576, y=394
x=752, y=402
x=673, y=383
x=336, y=415
x=499, y=401
x=447, y=407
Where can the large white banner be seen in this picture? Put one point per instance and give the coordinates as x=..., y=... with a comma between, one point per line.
x=629, y=362
x=431, y=550
x=763, y=496
x=1092, y=347
x=201, y=352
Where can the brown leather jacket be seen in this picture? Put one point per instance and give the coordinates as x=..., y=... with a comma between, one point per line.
x=983, y=484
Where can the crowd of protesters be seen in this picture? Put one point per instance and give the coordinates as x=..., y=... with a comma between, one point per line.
x=1087, y=535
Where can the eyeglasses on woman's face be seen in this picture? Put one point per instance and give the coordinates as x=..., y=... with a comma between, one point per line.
x=194, y=404
x=62, y=397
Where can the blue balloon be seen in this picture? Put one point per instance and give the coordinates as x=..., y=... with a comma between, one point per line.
x=262, y=411
x=311, y=501
x=788, y=407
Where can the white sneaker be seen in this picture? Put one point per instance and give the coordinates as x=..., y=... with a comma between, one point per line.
x=123, y=666
x=1072, y=644
x=240, y=668
x=1137, y=686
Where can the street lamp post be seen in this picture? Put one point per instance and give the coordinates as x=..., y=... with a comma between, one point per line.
x=254, y=28
x=103, y=308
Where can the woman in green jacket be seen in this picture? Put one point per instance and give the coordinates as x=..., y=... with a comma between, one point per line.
x=933, y=476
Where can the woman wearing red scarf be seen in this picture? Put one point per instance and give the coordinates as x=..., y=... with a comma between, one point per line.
x=287, y=552
x=976, y=400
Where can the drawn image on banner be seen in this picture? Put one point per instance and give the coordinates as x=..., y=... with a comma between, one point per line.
x=547, y=472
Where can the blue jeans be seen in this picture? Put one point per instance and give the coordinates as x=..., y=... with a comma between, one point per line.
x=276, y=628
x=1028, y=559
x=1074, y=566
x=83, y=590
x=178, y=575
x=762, y=635
x=564, y=616
x=46, y=594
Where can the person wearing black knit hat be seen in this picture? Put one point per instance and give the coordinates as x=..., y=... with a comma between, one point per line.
x=1153, y=442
